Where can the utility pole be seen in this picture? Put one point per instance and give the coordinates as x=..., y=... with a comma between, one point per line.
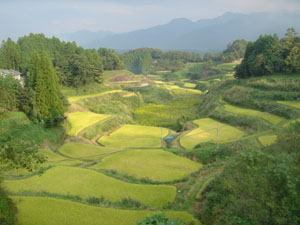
x=218, y=132
x=162, y=137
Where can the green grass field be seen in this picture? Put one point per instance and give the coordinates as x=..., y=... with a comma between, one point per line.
x=56, y=159
x=50, y=211
x=267, y=140
x=80, y=97
x=250, y=112
x=134, y=136
x=295, y=104
x=201, y=135
x=86, y=183
x=156, y=165
x=84, y=151
x=81, y=120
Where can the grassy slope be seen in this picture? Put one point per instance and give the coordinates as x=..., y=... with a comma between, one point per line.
x=156, y=165
x=48, y=211
x=134, y=136
x=250, y=112
x=84, y=151
x=201, y=135
x=80, y=97
x=18, y=127
x=82, y=120
x=86, y=183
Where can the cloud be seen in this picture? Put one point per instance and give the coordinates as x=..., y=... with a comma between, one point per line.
x=262, y=5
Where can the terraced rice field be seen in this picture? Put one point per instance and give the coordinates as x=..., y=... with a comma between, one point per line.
x=56, y=159
x=49, y=211
x=207, y=132
x=155, y=165
x=81, y=120
x=295, y=104
x=250, y=112
x=189, y=85
x=84, y=151
x=80, y=97
x=86, y=183
x=180, y=91
x=267, y=140
x=134, y=136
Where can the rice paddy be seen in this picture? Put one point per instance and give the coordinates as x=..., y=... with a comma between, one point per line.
x=267, y=140
x=250, y=112
x=81, y=120
x=86, y=183
x=207, y=132
x=295, y=104
x=56, y=159
x=50, y=211
x=134, y=136
x=84, y=151
x=189, y=85
x=155, y=165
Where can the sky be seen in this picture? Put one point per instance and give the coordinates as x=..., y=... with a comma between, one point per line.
x=20, y=17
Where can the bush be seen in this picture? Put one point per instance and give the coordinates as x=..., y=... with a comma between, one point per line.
x=7, y=209
x=160, y=219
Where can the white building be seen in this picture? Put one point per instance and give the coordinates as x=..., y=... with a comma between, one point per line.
x=16, y=75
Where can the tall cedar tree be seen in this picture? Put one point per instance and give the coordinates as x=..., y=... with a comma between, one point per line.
x=43, y=80
x=9, y=55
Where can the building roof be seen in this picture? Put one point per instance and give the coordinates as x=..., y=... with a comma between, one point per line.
x=6, y=72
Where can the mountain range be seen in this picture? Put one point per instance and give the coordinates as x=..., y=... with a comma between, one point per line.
x=183, y=34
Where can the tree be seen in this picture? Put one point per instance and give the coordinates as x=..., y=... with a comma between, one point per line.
x=9, y=55
x=270, y=55
x=48, y=106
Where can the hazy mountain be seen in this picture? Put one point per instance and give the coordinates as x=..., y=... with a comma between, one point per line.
x=208, y=34
x=85, y=38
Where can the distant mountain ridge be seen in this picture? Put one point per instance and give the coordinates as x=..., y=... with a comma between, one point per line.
x=203, y=35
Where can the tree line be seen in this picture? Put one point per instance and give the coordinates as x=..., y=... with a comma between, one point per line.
x=269, y=55
x=74, y=65
x=148, y=60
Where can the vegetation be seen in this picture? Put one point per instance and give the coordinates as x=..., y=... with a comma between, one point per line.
x=82, y=120
x=57, y=159
x=85, y=183
x=147, y=60
x=155, y=165
x=250, y=112
x=267, y=140
x=84, y=151
x=270, y=55
x=159, y=219
x=134, y=136
x=259, y=186
x=207, y=132
x=48, y=211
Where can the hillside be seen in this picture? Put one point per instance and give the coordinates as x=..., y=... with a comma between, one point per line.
x=205, y=143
